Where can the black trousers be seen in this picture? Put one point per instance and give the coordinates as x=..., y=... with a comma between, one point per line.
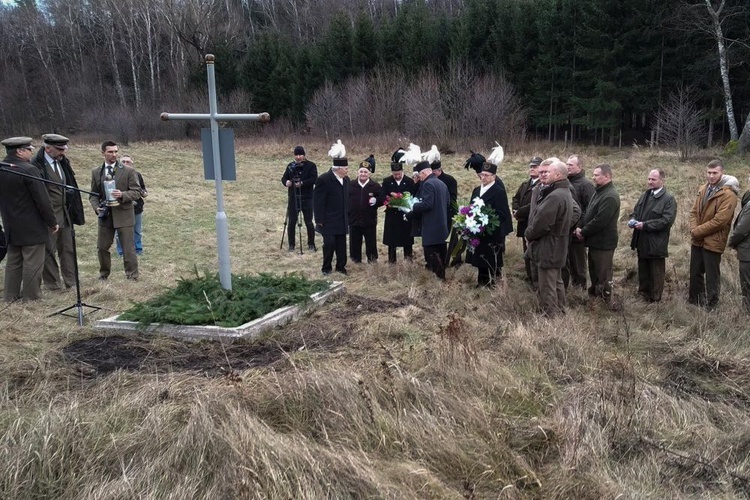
x=575, y=269
x=600, y=273
x=408, y=253
x=651, y=273
x=705, y=277
x=356, y=233
x=435, y=258
x=334, y=244
x=294, y=207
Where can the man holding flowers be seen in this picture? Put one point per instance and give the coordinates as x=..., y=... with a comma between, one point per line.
x=552, y=216
x=487, y=255
x=396, y=230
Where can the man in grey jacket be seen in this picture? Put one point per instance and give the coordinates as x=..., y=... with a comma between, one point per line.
x=548, y=234
x=651, y=220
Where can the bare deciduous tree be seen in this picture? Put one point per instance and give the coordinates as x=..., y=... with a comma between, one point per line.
x=680, y=122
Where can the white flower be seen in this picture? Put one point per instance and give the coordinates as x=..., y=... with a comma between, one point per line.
x=484, y=219
x=472, y=225
x=479, y=202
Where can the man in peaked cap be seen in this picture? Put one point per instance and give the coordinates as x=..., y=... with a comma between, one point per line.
x=53, y=165
x=521, y=204
x=28, y=218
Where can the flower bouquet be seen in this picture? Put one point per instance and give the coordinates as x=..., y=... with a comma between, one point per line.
x=401, y=201
x=472, y=221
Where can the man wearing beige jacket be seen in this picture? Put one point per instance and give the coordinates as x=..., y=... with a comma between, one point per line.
x=710, y=221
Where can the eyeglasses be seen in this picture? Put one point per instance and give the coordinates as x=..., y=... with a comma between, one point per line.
x=543, y=172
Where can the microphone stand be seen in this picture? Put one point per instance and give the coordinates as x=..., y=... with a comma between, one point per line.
x=79, y=305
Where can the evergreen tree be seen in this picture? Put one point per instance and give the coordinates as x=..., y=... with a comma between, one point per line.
x=337, y=49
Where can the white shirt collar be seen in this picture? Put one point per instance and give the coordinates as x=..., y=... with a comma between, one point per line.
x=655, y=191
x=483, y=189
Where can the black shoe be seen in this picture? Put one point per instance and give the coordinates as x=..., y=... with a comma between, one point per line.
x=342, y=271
x=312, y=248
x=102, y=278
x=326, y=273
x=291, y=248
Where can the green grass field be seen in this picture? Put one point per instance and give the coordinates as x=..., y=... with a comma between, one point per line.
x=404, y=387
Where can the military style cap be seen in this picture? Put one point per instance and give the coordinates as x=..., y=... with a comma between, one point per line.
x=396, y=166
x=340, y=162
x=436, y=165
x=535, y=161
x=56, y=140
x=489, y=167
x=17, y=142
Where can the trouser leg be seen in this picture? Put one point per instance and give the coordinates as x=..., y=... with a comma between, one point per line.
x=340, y=242
x=329, y=246
x=33, y=265
x=103, y=244
x=355, y=243
x=307, y=213
x=51, y=271
x=66, y=255
x=138, y=233
x=129, y=257
x=391, y=254
x=697, y=288
x=371, y=243
x=600, y=271
x=13, y=273
x=547, y=290
x=745, y=283
x=291, y=225
x=658, y=269
x=712, y=263
x=577, y=264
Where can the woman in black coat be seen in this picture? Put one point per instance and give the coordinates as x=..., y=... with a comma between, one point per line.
x=488, y=256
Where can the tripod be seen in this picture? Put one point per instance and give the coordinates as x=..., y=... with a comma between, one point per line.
x=79, y=305
x=298, y=209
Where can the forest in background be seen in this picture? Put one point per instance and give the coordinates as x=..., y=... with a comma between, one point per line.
x=599, y=71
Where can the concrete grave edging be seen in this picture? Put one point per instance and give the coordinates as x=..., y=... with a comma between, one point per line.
x=251, y=329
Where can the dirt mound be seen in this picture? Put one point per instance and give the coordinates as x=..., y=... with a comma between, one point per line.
x=101, y=355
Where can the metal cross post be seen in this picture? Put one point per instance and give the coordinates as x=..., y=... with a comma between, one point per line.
x=222, y=227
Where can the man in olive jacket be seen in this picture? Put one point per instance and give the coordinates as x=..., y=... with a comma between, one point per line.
x=740, y=241
x=521, y=205
x=598, y=231
x=548, y=234
x=710, y=221
x=651, y=220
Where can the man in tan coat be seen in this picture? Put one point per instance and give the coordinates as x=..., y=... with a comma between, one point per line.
x=127, y=190
x=710, y=221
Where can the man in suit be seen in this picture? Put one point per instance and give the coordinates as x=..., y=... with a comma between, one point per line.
x=330, y=207
x=488, y=256
x=299, y=178
x=54, y=166
x=583, y=190
x=28, y=218
x=397, y=230
x=431, y=216
x=115, y=217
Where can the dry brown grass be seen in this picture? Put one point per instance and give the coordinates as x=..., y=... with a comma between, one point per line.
x=403, y=388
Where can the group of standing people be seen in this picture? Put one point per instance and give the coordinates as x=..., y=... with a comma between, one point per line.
x=40, y=203
x=340, y=206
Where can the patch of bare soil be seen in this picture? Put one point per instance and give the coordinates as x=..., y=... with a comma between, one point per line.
x=329, y=330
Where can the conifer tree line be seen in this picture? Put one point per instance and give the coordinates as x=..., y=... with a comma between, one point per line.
x=596, y=70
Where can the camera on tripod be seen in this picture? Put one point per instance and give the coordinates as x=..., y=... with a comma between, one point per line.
x=295, y=172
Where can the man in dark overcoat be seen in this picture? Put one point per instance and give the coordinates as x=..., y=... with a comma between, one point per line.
x=651, y=220
x=431, y=216
x=53, y=165
x=363, y=215
x=522, y=207
x=121, y=216
x=28, y=218
x=397, y=230
x=488, y=256
x=330, y=207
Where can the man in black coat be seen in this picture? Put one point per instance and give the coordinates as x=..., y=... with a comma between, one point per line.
x=28, y=218
x=397, y=230
x=488, y=256
x=522, y=207
x=299, y=178
x=651, y=220
x=452, y=185
x=431, y=218
x=53, y=165
x=330, y=206
x=363, y=215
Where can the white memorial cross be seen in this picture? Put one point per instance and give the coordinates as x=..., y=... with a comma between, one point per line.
x=222, y=227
